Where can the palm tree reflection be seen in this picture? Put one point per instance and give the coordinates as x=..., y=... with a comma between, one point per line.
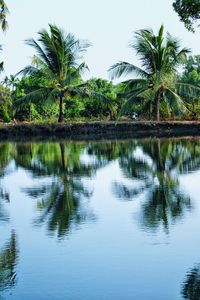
x=5, y=158
x=58, y=201
x=153, y=170
x=191, y=286
x=8, y=261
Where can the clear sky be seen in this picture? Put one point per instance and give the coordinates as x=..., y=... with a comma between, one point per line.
x=107, y=24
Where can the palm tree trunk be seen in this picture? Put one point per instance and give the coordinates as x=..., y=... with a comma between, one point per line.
x=61, y=108
x=157, y=105
x=30, y=113
x=150, y=111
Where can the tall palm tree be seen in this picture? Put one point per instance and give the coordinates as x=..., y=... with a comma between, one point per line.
x=3, y=15
x=58, y=60
x=156, y=80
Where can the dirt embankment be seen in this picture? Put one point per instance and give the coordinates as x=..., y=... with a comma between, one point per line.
x=99, y=130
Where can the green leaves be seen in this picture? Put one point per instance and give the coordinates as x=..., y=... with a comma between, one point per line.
x=58, y=60
x=124, y=68
x=3, y=15
x=160, y=56
x=188, y=11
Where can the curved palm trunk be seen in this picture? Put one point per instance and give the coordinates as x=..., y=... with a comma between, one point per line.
x=61, y=109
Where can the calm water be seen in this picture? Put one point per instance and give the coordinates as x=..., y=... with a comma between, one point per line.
x=112, y=220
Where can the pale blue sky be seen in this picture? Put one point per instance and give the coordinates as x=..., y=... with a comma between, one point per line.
x=107, y=24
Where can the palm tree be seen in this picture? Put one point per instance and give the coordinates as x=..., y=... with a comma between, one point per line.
x=3, y=14
x=58, y=60
x=10, y=82
x=156, y=80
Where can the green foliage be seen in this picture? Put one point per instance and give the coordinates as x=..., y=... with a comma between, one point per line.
x=58, y=61
x=5, y=104
x=157, y=79
x=191, y=76
x=105, y=107
x=188, y=11
x=3, y=15
x=74, y=108
x=52, y=85
x=31, y=111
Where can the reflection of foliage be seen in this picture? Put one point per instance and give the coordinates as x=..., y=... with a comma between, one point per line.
x=155, y=172
x=61, y=208
x=8, y=261
x=58, y=202
x=108, y=150
x=5, y=155
x=191, y=287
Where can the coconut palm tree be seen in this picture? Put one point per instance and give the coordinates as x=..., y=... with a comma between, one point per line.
x=58, y=60
x=160, y=57
x=3, y=15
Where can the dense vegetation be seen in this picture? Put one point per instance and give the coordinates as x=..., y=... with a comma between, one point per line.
x=164, y=85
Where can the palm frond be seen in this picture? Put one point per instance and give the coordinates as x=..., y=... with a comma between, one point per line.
x=124, y=68
x=130, y=100
x=176, y=103
x=3, y=15
x=30, y=71
x=34, y=96
x=134, y=83
x=188, y=90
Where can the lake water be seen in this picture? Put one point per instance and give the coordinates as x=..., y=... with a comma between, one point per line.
x=108, y=220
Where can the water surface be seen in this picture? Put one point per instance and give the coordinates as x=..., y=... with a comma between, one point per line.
x=113, y=220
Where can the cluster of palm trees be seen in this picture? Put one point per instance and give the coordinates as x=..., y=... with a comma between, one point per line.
x=59, y=59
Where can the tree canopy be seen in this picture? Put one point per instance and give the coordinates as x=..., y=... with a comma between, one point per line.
x=188, y=11
x=156, y=81
x=3, y=15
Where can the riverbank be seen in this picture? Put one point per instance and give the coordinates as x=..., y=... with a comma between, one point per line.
x=99, y=130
